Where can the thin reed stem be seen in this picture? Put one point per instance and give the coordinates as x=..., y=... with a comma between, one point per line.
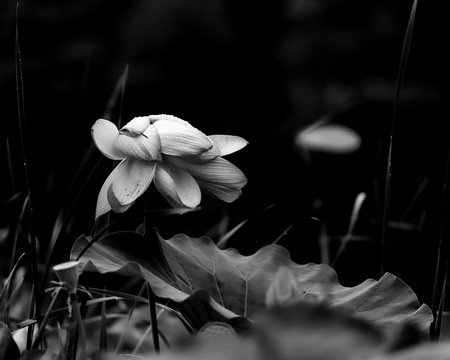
x=154, y=241
x=32, y=255
x=80, y=326
x=399, y=83
x=153, y=319
x=442, y=254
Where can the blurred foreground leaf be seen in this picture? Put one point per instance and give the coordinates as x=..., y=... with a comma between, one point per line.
x=8, y=347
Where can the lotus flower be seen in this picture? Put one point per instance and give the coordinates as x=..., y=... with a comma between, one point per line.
x=180, y=160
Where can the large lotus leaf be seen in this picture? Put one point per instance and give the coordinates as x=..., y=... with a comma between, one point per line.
x=386, y=301
x=239, y=283
x=128, y=254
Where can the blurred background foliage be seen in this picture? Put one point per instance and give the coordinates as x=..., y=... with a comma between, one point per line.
x=262, y=70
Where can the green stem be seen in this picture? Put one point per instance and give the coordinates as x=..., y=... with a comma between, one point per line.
x=153, y=319
x=155, y=244
x=80, y=326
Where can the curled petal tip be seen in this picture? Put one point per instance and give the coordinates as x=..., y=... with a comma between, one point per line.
x=105, y=134
x=138, y=124
x=228, y=144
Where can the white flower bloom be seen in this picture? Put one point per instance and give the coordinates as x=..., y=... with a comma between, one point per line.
x=180, y=159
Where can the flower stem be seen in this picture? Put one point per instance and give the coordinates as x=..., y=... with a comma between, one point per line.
x=80, y=325
x=153, y=318
x=151, y=237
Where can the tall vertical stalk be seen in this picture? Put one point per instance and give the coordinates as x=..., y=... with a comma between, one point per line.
x=442, y=257
x=153, y=318
x=399, y=83
x=32, y=255
x=156, y=246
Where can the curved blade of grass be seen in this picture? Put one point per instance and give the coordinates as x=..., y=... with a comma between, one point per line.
x=353, y=218
x=282, y=235
x=221, y=244
x=6, y=285
x=224, y=239
x=400, y=77
x=12, y=198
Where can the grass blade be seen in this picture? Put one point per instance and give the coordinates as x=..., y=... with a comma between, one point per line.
x=442, y=253
x=387, y=189
x=7, y=283
x=103, y=344
x=32, y=255
x=353, y=218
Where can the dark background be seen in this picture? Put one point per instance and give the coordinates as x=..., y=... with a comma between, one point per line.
x=262, y=70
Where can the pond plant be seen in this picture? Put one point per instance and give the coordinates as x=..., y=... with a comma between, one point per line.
x=133, y=294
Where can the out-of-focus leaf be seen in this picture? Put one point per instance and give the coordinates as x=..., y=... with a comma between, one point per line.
x=328, y=138
x=197, y=308
x=8, y=347
x=307, y=331
x=37, y=354
x=284, y=289
x=238, y=284
x=429, y=351
x=217, y=348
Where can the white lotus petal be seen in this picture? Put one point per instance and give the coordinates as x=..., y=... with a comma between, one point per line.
x=142, y=146
x=131, y=178
x=102, y=200
x=114, y=203
x=181, y=138
x=155, y=118
x=177, y=185
x=138, y=124
x=228, y=144
x=105, y=134
x=221, y=192
x=218, y=171
x=330, y=138
x=204, y=156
